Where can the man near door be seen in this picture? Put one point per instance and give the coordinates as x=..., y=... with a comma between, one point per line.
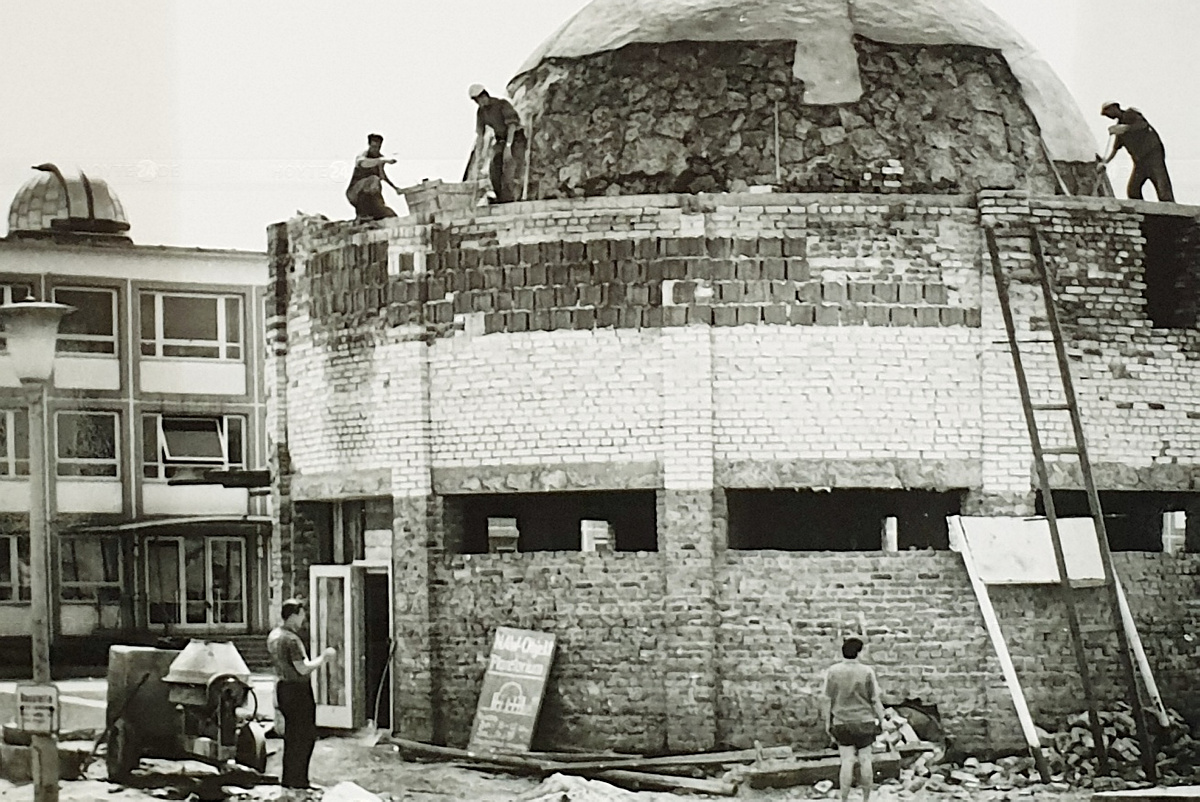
x=293, y=691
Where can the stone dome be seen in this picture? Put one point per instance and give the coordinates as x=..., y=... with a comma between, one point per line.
x=936, y=96
x=53, y=204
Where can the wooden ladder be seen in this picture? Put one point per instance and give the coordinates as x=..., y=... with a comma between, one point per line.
x=1121, y=618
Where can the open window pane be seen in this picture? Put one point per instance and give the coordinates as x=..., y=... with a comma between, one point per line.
x=189, y=318
x=193, y=440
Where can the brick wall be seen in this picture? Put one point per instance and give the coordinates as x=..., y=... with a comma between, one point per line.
x=780, y=622
x=531, y=348
x=606, y=686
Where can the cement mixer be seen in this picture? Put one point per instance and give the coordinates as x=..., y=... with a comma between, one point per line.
x=179, y=705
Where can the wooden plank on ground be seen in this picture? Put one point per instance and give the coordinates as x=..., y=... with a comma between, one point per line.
x=808, y=772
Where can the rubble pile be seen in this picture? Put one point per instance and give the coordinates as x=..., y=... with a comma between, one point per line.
x=1070, y=751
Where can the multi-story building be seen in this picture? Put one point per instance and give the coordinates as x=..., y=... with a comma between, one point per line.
x=157, y=374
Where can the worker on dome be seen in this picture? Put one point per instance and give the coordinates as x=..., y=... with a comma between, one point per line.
x=1134, y=133
x=508, y=148
x=365, y=192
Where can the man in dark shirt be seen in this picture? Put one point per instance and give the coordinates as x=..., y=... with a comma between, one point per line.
x=509, y=146
x=365, y=192
x=1139, y=138
x=293, y=691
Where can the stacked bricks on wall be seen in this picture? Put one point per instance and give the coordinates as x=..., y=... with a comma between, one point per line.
x=689, y=345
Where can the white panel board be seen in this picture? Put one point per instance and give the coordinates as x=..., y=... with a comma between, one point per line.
x=193, y=376
x=89, y=495
x=1019, y=551
x=159, y=498
x=14, y=495
x=87, y=372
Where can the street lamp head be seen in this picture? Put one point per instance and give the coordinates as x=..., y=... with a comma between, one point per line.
x=31, y=331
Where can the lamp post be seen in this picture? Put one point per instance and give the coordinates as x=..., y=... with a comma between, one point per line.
x=31, y=331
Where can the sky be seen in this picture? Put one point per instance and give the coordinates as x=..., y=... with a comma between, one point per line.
x=213, y=119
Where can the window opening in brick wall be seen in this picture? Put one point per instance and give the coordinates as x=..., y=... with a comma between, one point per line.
x=14, y=569
x=1138, y=521
x=14, y=442
x=1172, y=262
x=91, y=328
x=554, y=521
x=345, y=531
x=840, y=520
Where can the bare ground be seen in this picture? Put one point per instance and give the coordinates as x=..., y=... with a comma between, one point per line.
x=383, y=772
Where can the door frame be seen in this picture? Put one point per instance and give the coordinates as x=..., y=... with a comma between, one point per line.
x=353, y=656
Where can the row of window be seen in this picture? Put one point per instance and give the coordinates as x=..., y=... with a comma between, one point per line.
x=89, y=443
x=172, y=324
x=90, y=569
x=190, y=579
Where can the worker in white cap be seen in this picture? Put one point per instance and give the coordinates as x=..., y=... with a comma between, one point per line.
x=509, y=146
x=1134, y=133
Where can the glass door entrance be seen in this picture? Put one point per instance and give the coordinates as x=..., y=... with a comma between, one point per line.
x=194, y=581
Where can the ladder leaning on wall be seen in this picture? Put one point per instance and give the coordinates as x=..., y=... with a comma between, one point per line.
x=1122, y=620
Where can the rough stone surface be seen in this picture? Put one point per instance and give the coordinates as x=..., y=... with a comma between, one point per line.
x=717, y=117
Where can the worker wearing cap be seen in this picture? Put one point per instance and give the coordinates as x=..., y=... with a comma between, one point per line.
x=852, y=712
x=510, y=142
x=1137, y=136
x=365, y=192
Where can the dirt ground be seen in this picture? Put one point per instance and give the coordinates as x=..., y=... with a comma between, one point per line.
x=383, y=772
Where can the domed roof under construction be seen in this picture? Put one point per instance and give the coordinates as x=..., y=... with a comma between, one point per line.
x=825, y=58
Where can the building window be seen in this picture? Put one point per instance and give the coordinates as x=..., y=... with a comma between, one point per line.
x=91, y=568
x=92, y=327
x=1172, y=270
x=566, y=521
x=169, y=443
x=14, y=442
x=14, y=569
x=10, y=294
x=1133, y=520
x=840, y=520
x=87, y=444
x=191, y=326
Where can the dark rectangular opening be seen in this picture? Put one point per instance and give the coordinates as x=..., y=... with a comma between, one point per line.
x=839, y=520
x=1133, y=520
x=553, y=521
x=1172, y=262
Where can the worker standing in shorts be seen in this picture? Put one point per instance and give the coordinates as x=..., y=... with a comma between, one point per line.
x=853, y=715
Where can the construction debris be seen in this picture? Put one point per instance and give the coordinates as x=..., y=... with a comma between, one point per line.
x=1071, y=750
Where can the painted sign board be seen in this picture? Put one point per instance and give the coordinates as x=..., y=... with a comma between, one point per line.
x=513, y=687
x=37, y=708
x=1019, y=551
